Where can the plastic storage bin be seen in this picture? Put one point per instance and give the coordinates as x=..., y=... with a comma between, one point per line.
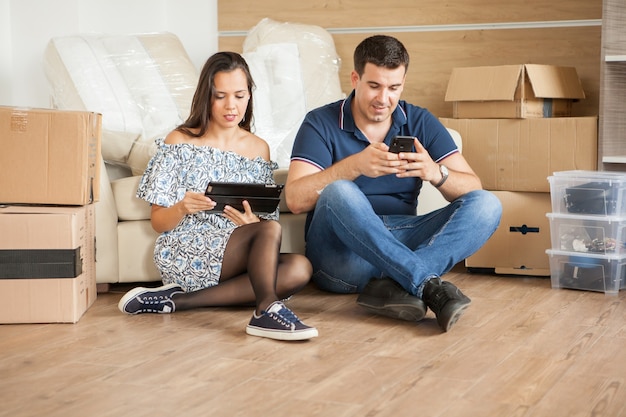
x=587, y=271
x=594, y=193
x=603, y=235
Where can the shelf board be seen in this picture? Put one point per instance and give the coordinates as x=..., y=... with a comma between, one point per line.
x=615, y=58
x=614, y=159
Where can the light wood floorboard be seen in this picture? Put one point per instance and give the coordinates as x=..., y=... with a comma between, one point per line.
x=522, y=349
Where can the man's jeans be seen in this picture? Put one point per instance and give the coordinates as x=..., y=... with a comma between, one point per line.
x=348, y=243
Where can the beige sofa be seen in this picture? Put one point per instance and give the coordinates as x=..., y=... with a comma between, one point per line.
x=125, y=239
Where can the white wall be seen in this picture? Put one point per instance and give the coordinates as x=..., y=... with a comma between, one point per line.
x=26, y=26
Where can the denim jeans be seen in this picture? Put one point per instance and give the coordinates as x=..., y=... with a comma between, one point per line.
x=348, y=243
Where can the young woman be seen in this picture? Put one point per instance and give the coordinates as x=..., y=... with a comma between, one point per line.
x=211, y=259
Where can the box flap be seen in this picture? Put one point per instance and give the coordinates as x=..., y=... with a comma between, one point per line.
x=549, y=81
x=483, y=83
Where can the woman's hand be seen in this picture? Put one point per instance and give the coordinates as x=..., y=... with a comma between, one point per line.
x=166, y=218
x=241, y=217
x=194, y=202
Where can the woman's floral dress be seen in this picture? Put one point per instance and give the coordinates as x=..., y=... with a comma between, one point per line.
x=191, y=254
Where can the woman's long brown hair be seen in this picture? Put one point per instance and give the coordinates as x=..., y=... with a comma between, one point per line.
x=200, y=113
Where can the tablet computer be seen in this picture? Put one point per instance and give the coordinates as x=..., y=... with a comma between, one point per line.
x=263, y=198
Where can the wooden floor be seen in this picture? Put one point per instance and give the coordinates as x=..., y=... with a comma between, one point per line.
x=522, y=349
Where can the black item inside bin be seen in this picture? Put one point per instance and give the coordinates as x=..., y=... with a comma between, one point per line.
x=591, y=198
x=588, y=277
x=584, y=273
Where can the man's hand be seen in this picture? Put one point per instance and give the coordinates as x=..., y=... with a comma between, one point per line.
x=376, y=161
x=419, y=164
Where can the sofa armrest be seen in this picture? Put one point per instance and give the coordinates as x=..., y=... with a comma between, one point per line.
x=107, y=262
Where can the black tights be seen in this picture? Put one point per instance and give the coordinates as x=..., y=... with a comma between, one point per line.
x=253, y=271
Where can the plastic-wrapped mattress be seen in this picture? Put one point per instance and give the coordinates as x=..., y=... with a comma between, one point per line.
x=295, y=68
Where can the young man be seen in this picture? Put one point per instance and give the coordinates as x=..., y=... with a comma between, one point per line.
x=362, y=232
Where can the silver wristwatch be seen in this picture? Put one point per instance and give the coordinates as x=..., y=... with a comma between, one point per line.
x=444, y=175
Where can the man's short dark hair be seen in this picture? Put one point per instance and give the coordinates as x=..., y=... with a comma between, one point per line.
x=382, y=51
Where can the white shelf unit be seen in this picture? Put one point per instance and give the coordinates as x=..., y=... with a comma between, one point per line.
x=612, y=120
x=615, y=58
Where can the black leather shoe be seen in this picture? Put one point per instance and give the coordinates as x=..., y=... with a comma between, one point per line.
x=385, y=296
x=446, y=301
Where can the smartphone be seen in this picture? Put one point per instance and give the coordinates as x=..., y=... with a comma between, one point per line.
x=401, y=144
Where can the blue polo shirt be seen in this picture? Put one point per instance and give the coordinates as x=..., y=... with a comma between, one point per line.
x=328, y=135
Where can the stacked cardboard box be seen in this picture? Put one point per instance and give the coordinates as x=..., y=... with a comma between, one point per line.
x=49, y=180
x=517, y=130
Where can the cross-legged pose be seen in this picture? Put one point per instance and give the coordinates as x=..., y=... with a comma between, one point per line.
x=362, y=232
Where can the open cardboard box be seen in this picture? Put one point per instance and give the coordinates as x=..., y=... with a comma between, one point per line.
x=513, y=91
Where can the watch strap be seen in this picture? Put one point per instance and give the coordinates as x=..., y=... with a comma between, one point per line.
x=444, y=175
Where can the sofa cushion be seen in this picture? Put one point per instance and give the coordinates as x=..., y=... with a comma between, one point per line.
x=430, y=198
x=293, y=232
x=129, y=207
x=136, y=252
x=280, y=176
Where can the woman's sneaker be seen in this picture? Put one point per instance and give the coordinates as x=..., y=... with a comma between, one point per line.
x=150, y=300
x=280, y=323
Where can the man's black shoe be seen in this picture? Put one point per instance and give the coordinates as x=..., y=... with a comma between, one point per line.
x=385, y=296
x=446, y=301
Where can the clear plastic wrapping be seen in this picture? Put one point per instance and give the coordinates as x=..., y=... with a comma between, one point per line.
x=141, y=84
x=296, y=69
x=144, y=84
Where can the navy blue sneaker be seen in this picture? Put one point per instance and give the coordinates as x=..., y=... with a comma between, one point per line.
x=150, y=300
x=280, y=323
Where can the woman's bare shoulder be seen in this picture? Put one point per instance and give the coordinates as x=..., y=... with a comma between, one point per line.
x=175, y=137
x=258, y=145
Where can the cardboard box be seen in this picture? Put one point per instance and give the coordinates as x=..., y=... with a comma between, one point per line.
x=513, y=91
x=49, y=156
x=519, y=244
x=42, y=299
x=520, y=154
